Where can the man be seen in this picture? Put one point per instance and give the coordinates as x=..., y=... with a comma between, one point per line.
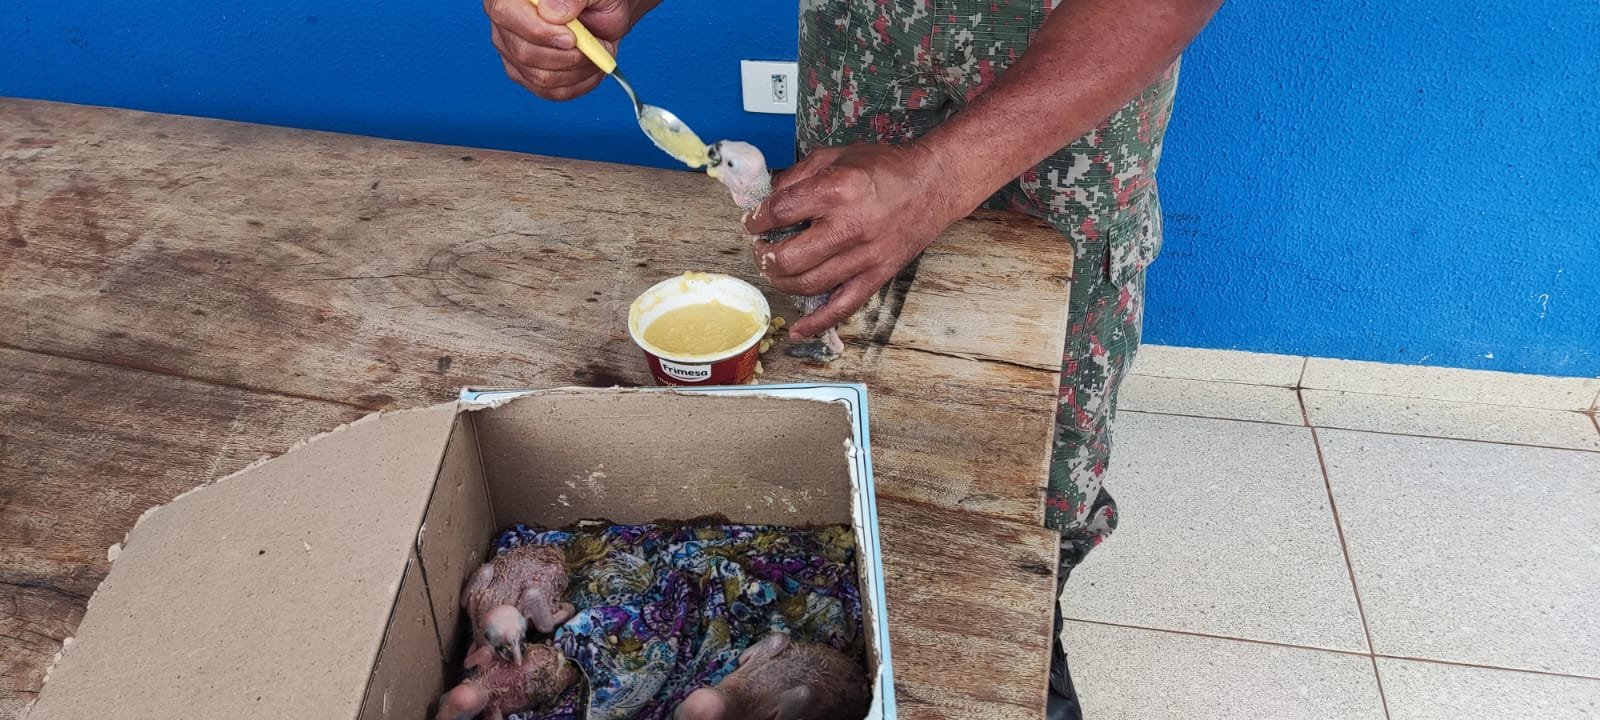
x=913, y=113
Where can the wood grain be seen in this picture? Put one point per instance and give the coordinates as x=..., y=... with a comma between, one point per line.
x=178, y=295
x=965, y=624
x=85, y=448
x=379, y=274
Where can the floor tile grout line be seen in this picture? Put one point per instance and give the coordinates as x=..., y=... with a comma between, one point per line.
x=1212, y=636
x=1305, y=415
x=1212, y=380
x=1305, y=365
x=1305, y=361
x=1314, y=648
x=1389, y=433
x=1350, y=566
x=1477, y=666
x=1377, y=677
x=1512, y=443
x=1300, y=385
x=1209, y=417
x=1440, y=400
x=1595, y=418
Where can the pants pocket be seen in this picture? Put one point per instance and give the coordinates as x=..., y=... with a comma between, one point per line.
x=1134, y=241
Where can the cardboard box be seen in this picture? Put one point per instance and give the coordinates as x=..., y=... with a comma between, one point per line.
x=324, y=583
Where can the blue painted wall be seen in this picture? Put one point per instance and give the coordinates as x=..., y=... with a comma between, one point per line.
x=1404, y=182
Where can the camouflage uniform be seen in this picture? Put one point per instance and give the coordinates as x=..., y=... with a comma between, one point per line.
x=886, y=71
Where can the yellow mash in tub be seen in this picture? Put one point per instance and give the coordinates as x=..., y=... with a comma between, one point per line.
x=702, y=329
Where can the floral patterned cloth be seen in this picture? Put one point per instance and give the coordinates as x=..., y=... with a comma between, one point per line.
x=663, y=609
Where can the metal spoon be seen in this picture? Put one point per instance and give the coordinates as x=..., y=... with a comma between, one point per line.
x=662, y=127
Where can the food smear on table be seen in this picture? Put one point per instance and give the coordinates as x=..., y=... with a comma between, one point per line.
x=705, y=620
x=702, y=329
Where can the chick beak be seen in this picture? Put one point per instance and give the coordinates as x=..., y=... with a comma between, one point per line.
x=516, y=653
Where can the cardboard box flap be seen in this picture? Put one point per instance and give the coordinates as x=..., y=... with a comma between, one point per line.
x=455, y=533
x=264, y=595
x=412, y=669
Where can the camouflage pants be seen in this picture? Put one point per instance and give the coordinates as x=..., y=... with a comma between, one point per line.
x=1102, y=339
x=1105, y=317
x=887, y=72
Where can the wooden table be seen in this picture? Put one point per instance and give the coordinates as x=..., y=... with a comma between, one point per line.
x=180, y=296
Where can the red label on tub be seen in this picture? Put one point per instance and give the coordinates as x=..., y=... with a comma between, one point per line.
x=737, y=370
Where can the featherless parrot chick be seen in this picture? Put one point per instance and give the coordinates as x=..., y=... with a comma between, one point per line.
x=779, y=679
x=743, y=169
x=520, y=586
x=497, y=688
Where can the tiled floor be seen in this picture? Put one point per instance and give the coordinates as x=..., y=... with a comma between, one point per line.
x=1329, y=539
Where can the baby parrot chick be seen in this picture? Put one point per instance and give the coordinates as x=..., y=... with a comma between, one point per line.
x=496, y=688
x=743, y=169
x=780, y=679
x=523, y=585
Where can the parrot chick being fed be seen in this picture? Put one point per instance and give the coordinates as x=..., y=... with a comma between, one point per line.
x=520, y=586
x=780, y=679
x=497, y=688
x=743, y=169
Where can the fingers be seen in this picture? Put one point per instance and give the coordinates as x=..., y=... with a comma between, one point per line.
x=522, y=19
x=553, y=86
x=783, y=183
x=541, y=23
x=531, y=55
x=809, y=199
x=550, y=73
x=807, y=166
x=540, y=54
x=785, y=263
x=607, y=19
x=560, y=11
x=846, y=300
x=827, y=276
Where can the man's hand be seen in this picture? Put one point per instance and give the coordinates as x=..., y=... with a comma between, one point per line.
x=539, y=51
x=872, y=209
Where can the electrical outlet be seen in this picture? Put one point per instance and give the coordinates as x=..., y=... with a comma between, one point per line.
x=769, y=86
x=780, y=88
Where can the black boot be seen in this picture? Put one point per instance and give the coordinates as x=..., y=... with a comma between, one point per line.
x=1062, y=702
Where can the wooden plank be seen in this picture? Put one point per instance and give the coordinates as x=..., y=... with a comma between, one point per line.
x=1001, y=298
x=380, y=274
x=33, y=620
x=88, y=447
x=965, y=622
x=363, y=274
x=951, y=432
x=84, y=450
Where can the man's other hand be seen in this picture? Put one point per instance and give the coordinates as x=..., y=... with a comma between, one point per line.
x=538, y=49
x=873, y=209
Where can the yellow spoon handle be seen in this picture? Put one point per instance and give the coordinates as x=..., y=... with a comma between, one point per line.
x=589, y=45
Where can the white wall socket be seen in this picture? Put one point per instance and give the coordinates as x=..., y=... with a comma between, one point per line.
x=769, y=86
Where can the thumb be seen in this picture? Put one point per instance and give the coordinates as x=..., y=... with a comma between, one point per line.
x=558, y=12
x=607, y=19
